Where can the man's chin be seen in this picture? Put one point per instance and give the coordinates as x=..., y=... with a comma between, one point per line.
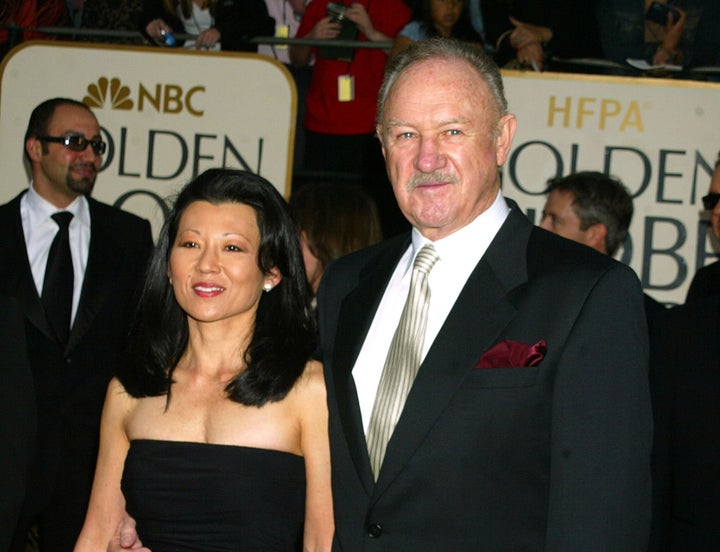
x=83, y=186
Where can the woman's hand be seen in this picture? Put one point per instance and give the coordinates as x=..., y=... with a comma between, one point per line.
x=157, y=29
x=532, y=55
x=326, y=28
x=669, y=50
x=207, y=39
x=359, y=15
x=526, y=33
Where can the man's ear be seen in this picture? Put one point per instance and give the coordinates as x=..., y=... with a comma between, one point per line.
x=33, y=146
x=505, y=134
x=595, y=237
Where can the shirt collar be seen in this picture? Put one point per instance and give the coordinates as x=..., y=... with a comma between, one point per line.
x=40, y=209
x=453, y=249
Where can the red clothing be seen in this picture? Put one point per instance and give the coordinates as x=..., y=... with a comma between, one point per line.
x=325, y=114
x=34, y=13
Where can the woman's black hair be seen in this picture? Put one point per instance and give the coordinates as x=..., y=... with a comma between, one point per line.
x=284, y=333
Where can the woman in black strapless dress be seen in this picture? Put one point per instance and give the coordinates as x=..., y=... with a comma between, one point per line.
x=214, y=437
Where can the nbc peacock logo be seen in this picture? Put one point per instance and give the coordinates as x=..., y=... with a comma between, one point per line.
x=113, y=90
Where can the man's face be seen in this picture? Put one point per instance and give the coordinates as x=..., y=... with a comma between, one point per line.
x=60, y=174
x=715, y=213
x=443, y=145
x=560, y=218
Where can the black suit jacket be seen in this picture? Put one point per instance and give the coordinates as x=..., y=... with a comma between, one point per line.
x=17, y=418
x=685, y=382
x=705, y=283
x=70, y=382
x=553, y=457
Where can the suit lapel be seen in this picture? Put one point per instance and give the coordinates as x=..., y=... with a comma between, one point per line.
x=480, y=314
x=16, y=274
x=356, y=315
x=104, y=258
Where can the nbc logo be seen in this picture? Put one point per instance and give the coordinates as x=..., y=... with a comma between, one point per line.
x=119, y=94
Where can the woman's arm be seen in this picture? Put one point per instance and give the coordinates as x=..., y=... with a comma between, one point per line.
x=319, y=522
x=107, y=504
x=669, y=49
x=399, y=44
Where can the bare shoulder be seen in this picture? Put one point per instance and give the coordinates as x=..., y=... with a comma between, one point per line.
x=309, y=389
x=118, y=402
x=312, y=379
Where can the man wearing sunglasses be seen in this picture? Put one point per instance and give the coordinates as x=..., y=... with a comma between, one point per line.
x=686, y=386
x=706, y=282
x=73, y=265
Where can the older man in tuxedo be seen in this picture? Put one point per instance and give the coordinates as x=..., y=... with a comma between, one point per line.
x=527, y=424
x=73, y=265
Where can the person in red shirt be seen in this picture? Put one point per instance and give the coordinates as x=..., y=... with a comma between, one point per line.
x=340, y=105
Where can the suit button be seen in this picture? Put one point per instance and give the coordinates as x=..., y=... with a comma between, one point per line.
x=374, y=530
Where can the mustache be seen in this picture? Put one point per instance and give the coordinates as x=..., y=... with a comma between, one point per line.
x=84, y=164
x=430, y=178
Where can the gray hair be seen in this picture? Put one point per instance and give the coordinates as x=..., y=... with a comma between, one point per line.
x=448, y=49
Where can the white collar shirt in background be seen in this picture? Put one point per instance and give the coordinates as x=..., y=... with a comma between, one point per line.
x=40, y=230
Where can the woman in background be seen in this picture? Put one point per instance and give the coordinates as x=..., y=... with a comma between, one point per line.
x=226, y=25
x=333, y=219
x=444, y=18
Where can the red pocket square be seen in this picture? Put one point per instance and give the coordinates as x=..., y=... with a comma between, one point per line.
x=513, y=354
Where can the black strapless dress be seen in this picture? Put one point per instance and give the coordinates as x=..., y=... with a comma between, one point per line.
x=194, y=496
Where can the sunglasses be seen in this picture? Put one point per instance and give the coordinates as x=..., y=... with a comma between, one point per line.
x=710, y=201
x=76, y=143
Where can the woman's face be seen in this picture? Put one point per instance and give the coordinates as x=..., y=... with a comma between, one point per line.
x=445, y=14
x=214, y=262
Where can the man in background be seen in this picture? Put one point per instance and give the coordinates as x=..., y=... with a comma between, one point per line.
x=73, y=265
x=706, y=282
x=594, y=209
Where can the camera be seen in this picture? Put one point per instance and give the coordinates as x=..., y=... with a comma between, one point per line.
x=658, y=13
x=337, y=12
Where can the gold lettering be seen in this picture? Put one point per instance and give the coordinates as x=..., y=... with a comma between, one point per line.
x=144, y=94
x=608, y=108
x=188, y=100
x=172, y=99
x=565, y=110
x=582, y=111
x=633, y=117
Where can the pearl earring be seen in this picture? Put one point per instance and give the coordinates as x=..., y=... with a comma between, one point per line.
x=267, y=287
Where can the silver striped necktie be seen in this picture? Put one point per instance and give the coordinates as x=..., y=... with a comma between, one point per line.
x=403, y=359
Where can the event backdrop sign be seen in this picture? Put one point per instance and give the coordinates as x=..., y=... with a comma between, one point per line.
x=660, y=137
x=166, y=114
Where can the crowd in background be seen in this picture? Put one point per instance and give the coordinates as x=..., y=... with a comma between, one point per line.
x=536, y=34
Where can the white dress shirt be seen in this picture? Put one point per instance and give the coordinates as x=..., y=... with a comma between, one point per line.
x=40, y=230
x=446, y=280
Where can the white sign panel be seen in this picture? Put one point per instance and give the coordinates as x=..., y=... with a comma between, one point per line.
x=660, y=137
x=167, y=115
